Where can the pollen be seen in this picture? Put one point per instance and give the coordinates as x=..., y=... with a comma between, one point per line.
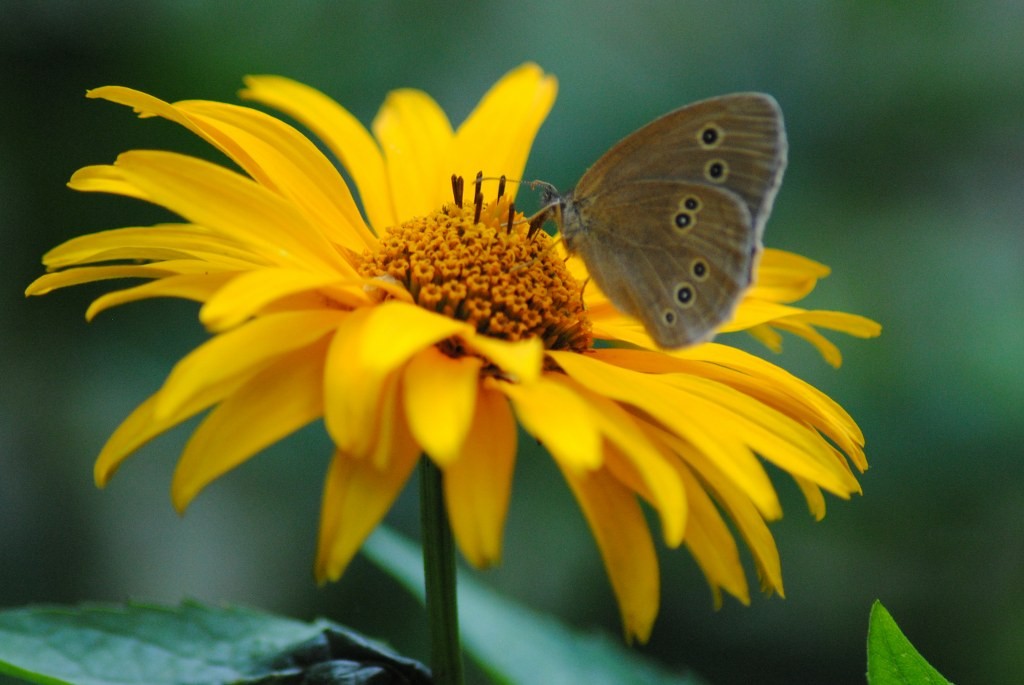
x=482, y=264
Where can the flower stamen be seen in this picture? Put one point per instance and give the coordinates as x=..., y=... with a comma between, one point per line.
x=483, y=266
x=457, y=186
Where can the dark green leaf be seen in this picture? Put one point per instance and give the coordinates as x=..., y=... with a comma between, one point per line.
x=339, y=656
x=515, y=644
x=892, y=660
x=189, y=645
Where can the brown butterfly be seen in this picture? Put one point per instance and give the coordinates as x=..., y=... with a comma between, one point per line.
x=669, y=221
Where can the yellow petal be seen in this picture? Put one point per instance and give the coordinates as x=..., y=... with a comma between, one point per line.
x=709, y=540
x=782, y=292
x=163, y=241
x=189, y=287
x=767, y=336
x=285, y=160
x=477, y=485
x=397, y=330
x=440, y=396
x=752, y=313
x=271, y=405
x=416, y=138
x=779, y=388
x=737, y=503
x=802, y=322
x=231, y=205
x=815, y=500
x=357, y=494
x=663, y=402
x=560, y=419
x=351, y=392
x=777, y=438
x=754, y=531
x=785, y=277
x=392, y=435
x=269, y=150
x=826, y=348
x=241, y=353
x=757, y=378
x=611, y=324
x=249, y=293
x=620, y=529
x=89, y=274
x=144, y=105
x=105, y=178
x=341, y=132
x=757, y=312
x=521, y=361
x=374, y=344
x=144, y=424
x=851, y=324
x=782, y=264
x=637, y=462
x=497, y=136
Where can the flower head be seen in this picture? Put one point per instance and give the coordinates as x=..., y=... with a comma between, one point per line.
x=425, y=324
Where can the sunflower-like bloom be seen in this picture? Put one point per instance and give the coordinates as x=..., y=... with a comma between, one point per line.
x=423, y=325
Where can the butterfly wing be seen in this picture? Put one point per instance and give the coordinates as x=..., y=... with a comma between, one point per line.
x=683, y=282
x=743, y=132
x=669, y=221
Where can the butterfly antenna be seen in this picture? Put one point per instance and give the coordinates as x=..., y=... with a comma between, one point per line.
x=552, y=210
x=504, y=180
x=545, y=185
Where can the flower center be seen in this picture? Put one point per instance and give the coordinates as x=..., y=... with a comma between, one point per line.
x=481, y=264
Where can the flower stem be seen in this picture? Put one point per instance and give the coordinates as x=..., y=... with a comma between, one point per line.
x=439, y=573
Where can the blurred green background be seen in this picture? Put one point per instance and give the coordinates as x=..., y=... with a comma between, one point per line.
x=906, y=176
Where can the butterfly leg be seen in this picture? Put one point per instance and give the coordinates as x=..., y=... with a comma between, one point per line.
x=582, y=288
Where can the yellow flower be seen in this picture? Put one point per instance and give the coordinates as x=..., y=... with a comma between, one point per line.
x=419, y=326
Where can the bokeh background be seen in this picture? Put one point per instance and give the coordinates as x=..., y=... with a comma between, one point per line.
x=906, y=175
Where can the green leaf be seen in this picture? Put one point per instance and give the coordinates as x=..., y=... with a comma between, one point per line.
x=892, y=660
x=515, y=644
x=189, y=645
